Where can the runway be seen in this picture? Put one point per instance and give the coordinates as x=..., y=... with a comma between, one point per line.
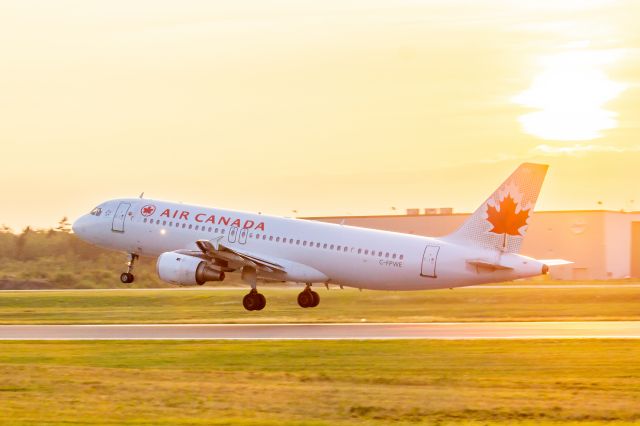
x=358, y=331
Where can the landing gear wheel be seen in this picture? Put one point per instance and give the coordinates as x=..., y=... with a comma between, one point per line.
x=306, y=299
x=127, y=277
x=316, y=299
x=262, y=300
x=254, y=301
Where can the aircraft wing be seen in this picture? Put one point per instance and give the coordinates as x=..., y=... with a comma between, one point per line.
x=214, y=250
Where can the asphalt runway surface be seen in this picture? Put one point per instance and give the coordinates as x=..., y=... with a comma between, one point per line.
x=357, y=331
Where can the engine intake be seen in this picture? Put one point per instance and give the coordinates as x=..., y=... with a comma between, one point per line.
x=181, y=269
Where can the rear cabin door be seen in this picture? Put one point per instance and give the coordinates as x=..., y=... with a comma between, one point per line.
x=120, y=216
x=429, y=260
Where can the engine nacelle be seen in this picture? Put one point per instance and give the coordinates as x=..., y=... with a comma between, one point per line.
x=182, y=269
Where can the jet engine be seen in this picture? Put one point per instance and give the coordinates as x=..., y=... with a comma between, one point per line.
x=181, y=269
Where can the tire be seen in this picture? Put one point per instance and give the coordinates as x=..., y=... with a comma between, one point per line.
x=316, y=299
x=262, y=301
x=249, y=302
x=126, y=278
x=305, y=299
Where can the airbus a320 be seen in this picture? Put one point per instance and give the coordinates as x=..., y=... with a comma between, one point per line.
x=195, y=245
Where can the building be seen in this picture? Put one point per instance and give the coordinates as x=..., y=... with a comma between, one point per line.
x=602, y=244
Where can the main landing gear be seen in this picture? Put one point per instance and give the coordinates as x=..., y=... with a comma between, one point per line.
x=127, y=277
x=253, y=301
x=308, y=298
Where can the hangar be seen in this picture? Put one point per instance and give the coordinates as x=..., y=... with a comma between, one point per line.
x=602, y=244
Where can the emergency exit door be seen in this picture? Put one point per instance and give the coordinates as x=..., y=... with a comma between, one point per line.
x=429, y=260
x=118, y=219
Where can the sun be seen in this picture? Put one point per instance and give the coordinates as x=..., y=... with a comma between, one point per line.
x=570, y=94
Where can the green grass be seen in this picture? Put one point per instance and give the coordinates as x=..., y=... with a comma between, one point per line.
x=586, y=382
x=224, y=306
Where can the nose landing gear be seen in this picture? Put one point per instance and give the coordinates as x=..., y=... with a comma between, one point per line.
x=128, y=277
x=308, y=298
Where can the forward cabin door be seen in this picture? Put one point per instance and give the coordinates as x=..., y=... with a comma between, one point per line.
x=118, y=219
x=429, y=260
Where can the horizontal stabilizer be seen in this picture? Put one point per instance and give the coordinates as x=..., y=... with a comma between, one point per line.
x=487, y=265
x=555, y=262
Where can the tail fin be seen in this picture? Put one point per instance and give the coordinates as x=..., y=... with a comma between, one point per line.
x=501, y=222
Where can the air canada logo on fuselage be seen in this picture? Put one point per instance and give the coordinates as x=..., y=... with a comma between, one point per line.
x=212, y=219
x=148, y=210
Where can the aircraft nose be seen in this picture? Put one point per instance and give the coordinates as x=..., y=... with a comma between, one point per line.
x=80, y=226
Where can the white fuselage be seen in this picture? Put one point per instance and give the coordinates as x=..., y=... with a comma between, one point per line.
x=338, y=254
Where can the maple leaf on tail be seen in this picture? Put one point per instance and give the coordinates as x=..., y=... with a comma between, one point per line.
x=506, y=221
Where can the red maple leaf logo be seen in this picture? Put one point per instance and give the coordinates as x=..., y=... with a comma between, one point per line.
x=148, y=210
x=506, y=221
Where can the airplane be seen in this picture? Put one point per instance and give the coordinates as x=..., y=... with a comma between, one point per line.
x=195, y=245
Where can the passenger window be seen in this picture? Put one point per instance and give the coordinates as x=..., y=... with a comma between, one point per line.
x=401, y=256
x=290, y=240
x=264, y=237
x=145, y=220
x=386, y=254
x=304, y=243
x=394, y=256
x=324, y=246
x=338, y=248
x=277, y=239
x=222, y=231
x=210, y=229
x=318, y=245
x=271, y=238
x=366, y=252
x=331, y=247
x=379, y=254
x=297, y=242
x=359, y=251
x=215, y=230
x=346, y=249
x=190, y=226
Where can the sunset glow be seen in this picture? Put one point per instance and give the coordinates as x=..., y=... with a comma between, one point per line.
x=322, y=108
x=570, y=95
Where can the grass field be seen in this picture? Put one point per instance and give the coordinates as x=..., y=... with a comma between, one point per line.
x=320, y=382
x=224, y=306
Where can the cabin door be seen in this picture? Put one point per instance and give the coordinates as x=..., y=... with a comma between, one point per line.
x=118, y=219
x=429, y=260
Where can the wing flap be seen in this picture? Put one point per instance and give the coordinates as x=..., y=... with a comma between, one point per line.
x=215, y=250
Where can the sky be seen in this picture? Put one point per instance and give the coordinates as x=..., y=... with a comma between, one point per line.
x=315, y=108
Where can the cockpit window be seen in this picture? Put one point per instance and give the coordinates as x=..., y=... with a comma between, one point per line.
x=96, y=212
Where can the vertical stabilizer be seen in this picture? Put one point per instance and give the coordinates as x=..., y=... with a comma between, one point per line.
x=501, y=222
